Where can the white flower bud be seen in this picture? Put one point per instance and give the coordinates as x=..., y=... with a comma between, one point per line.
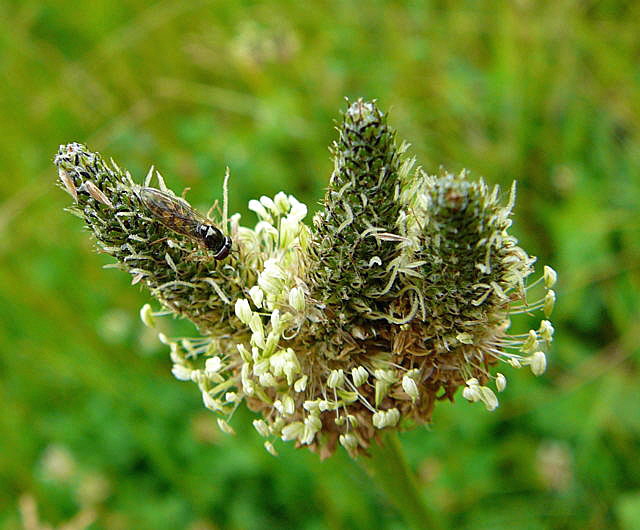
x=311, y=406
x=267, y=380
x=257, y=295
x=257, y=338
x=231, y=397
x=515, y=362
x=269, y=447
x=298, y=210
x=531, y=343
x=244, y=353
x=181, y=372
x=210, y=402
x=277, y=362
x=281, y=202
x=348, y=441
x=348, y=397
x=546, y=331
x=268, y=203
x=378, y=419
x=212, y=365
x=292, y=431
x=304, y=237
x=296, y=299
x=285, y=406
x=501, y=382
x=381, y=390
x=308, y=434
x=198, y=377
x=393, y=417
x=335, y=379
x=271, y=279
x=301, y=384
x=225, y=427
x=410, y=387
x=276, y=425
x=234, y=220
x=271, y=343
x=488, y=398
x=288, y=406
x=256, y=206
x=549, y=302
x=249, y=239
x=146, y=315
x=385, y=418
x=550, y=277
x=538, y=363
x=289, y=228
x=275, y=320
x=314, y=422
x=472, y=392
x=248, y=385
x=262, y=427
x=256, y=326
x=174, y=354
x=243, y=310
x=359, y=375
x=262, y=366
x=266, y=231
x=291, y=369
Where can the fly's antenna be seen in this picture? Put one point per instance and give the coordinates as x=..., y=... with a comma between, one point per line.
x=225, y=199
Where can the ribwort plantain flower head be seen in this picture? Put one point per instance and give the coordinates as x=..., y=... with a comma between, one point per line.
x=398, y=295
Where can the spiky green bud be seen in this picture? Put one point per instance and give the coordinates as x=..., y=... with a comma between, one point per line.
x=356, y=232
x=166, y=262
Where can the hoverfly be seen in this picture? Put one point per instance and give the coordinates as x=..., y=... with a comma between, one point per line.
x=178, y=216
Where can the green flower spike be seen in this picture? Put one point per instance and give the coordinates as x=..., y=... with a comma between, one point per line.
x=399, y=294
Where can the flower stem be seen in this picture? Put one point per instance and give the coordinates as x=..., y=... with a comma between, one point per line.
x=389, y=469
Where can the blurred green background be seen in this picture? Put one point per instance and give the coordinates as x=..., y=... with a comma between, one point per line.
x=94, y=427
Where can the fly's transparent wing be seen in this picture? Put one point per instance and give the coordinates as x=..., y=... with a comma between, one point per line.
x=174, y=213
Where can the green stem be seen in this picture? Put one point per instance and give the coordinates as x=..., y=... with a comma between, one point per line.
x=389, y=469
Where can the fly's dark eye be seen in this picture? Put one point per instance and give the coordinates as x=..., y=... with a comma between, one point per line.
x=212, y=237
x=212, y=243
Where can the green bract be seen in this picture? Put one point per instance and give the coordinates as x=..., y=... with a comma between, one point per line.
x=400, y=293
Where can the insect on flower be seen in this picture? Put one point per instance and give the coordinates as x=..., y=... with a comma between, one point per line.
x=177, y=215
